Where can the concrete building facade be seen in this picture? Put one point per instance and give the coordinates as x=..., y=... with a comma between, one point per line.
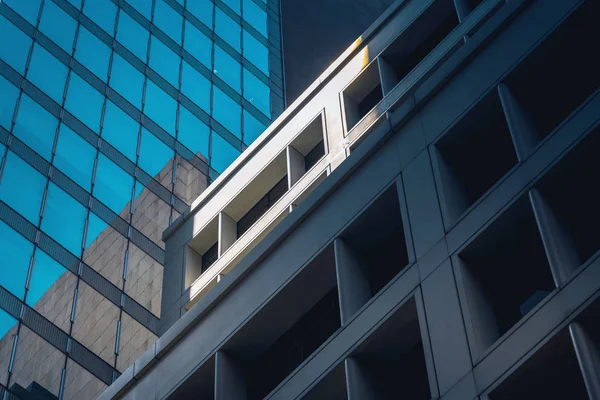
x=420, y=223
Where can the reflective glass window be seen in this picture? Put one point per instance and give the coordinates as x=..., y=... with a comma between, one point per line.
x=84, y=102
x=252, y=128
x=168, y=20
x=255, y=52
x=257, y=93
x=47, y=73
x=228, y=69
x=14, y=52
x=27, y=9
x=64, y=218
x=132, y=35
x=100, y=237
x=46, y=271
x=76, y=3
x=8, y=101
x=227, y=112
x=229, y=30
x=16, y=254
x=35, y=126
x=144, y=7
x=197, y=44
x=113, y=186
x=75, y=157
x=255, y=16
x=26, y=199
x=120, y=130
x=127, y=81
x=92, y=53
x=195, y=86
x=234, y=5
x=203, y=10
x=164, y=61
x=103, y=13
x=193, y=133
x=58, y=26
x=154, y=154
x=160, y=107
x=222, y=153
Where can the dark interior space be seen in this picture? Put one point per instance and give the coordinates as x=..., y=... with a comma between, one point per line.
x=506, y=272
x=561, y=72
x=200, y=385
x=392, y=358
x=377, y=238
x=551, y=373
x=262, y=206
x=370, y=101
x=314, y=155
x=474, y=155
x=571, y=189
x=332, y=387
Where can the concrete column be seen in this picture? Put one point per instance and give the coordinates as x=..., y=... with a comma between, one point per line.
x=357, y=383
x=295, y=166
x=229, y=381
x=521, y=128
x=558, y=243
x=227, y=232
x=387, y=75
x=352, y=280
x=462, y=9
x=193, y=266
x=588, y=356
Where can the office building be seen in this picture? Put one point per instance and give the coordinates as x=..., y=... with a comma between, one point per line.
x=114, y=116
x=420, y=223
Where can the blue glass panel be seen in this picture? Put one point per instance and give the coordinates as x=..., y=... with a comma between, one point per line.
x=16, y=254
x=227, y=112
x=76, y=3
x=84, y=102
x=47, y=73
x=154, y=154
x=113, y=186
x=234, y=5
x=228, y=29
x=64, y=219
x=257, y=93
x=25, y=199
x=132, y=35
x=35, y=126
x=168, y=20
x=103, y=13
x=252, y=128
x=94, y=229
x=58, y=26
x=193, y=133
x=7, y=322
x=160, y=107
x=27, y=9
x=195, y=86
x=197, y=44
x=144, y=7
x=255, y=16
x=255, y=52
x=127, y=81
x=8, y=101
x=164, y=61
x=14, y=52
x=222, y=153
x=203, y=10
x=75, y=157
x=228, y=69
x=120, y=130
x=46, y=271
x=92, y=53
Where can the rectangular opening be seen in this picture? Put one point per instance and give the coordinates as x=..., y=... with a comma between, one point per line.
x=201, y=252
x=392, y=359
x=200, y=385
x=362, y=95
x=332, y=387
x=418, y=40
x=306, y=150
x=289, y=328
x=561, y=73
x=474, y=154
x=505, y=273
x=571, y=190
x=262, y=206
x=552, y=372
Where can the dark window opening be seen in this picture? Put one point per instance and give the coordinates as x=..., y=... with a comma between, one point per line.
x=210, y=256
x=369, y=102
x=262, y=206
x=314, y=155
x=332, y=387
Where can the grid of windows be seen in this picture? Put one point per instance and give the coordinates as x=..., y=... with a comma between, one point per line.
x=112, y=113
